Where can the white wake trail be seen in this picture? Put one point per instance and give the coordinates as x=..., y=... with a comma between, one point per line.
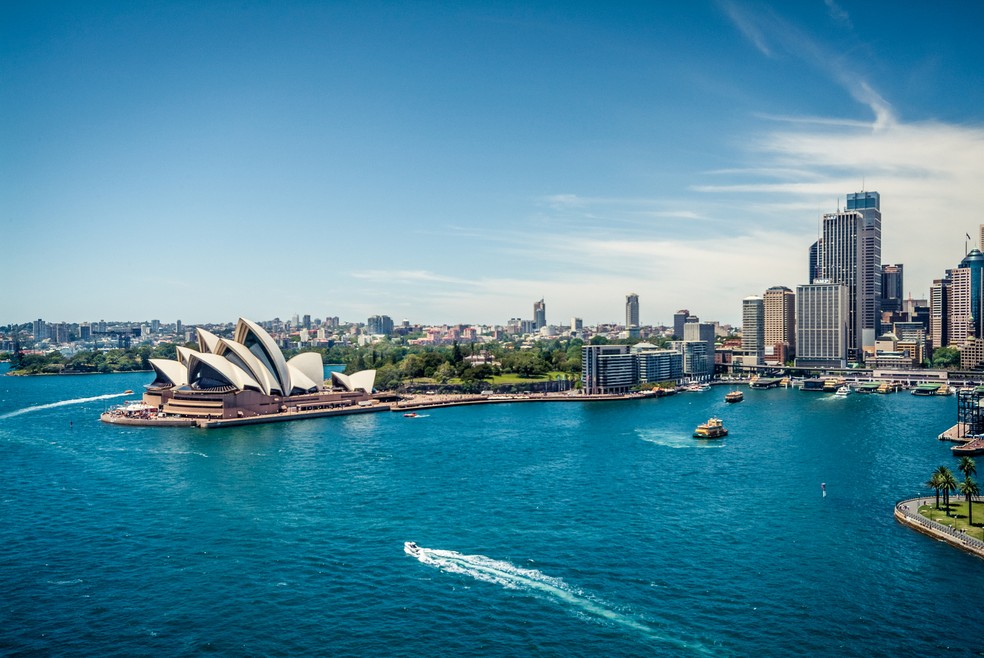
x=63, y=403
x=510, y=576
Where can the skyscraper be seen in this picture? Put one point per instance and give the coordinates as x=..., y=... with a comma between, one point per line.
x=631, y=310
x=679, y=319
x=815, y=266
x=821, y=324
x=753, y=329
x=780, y=324
x=850, y=254
x=539, y=315
x=891, y=288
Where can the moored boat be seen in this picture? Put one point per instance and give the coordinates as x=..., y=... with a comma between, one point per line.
x=712, y=429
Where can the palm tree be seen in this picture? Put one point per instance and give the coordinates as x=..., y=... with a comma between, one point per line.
x=967, y=466
x=949, y=483
x=936, y=484
x=969, y=489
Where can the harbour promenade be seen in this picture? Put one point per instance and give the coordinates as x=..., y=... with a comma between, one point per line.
x=417, y=402
x=907, y=513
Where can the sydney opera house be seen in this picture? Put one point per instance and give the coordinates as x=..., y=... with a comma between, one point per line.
x=245, y=377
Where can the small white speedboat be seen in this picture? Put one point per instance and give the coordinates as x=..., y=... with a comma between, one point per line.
x=411, y=548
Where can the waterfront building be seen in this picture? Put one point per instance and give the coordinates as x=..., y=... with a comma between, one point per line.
x=822, y=324
x=679, y=319
x=698, y=362
x=631, y=310
x=850, y=254
x=607, y=369
x=656, y=365
x=753, y=330
x=539, y=315
x=780, y=324
x=972, y=354
x=247, y=376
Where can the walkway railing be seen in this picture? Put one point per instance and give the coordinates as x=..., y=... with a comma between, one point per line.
x=910, y=510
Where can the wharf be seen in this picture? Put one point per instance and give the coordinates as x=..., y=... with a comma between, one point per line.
x=766, y=382
x=217, y=423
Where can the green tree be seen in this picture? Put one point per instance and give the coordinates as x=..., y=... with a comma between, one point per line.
x=388, y=377
x=967, y=466
x=969, y=489
x=946, y=357
x=444, y=373
x=948, y=483
x=935, y=483
x=412, y=366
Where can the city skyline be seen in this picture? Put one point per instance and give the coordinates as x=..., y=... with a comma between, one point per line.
x=453, y=165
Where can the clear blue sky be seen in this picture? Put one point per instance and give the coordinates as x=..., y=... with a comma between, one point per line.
x=455, y=162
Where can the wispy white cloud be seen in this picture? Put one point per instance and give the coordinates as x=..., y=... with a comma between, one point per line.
x=837, y=14
x=748, y=27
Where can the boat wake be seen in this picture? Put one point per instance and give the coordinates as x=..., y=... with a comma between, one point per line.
x=671, y=440
x=535, y=582
x=63, y=403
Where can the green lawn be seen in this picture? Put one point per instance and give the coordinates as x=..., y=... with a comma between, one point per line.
x=958, y=516
x=512, y=378
x=508, y=378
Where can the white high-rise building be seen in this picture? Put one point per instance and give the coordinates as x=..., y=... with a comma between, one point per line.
x=822, y=324
x=850, y=254
x=753, y=329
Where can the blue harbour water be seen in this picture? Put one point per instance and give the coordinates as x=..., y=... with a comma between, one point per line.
x=574, y=529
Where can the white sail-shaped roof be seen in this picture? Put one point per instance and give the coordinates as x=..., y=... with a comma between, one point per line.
x=311, y=365
x=362, y=380
x=242, y=357
x=169, y=370
x=262, y=345
x=207, y=341
x=184, y=353
x=300, y=382
x=231, y=373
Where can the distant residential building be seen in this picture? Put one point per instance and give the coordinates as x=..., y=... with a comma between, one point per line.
x=753, y=329
x=539, y=315
x=631, y=310
x=780, y=324
x=381, y=325
x=822, y=324
x=607, y=369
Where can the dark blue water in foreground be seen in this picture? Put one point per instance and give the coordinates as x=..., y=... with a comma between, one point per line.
x=586, y=529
